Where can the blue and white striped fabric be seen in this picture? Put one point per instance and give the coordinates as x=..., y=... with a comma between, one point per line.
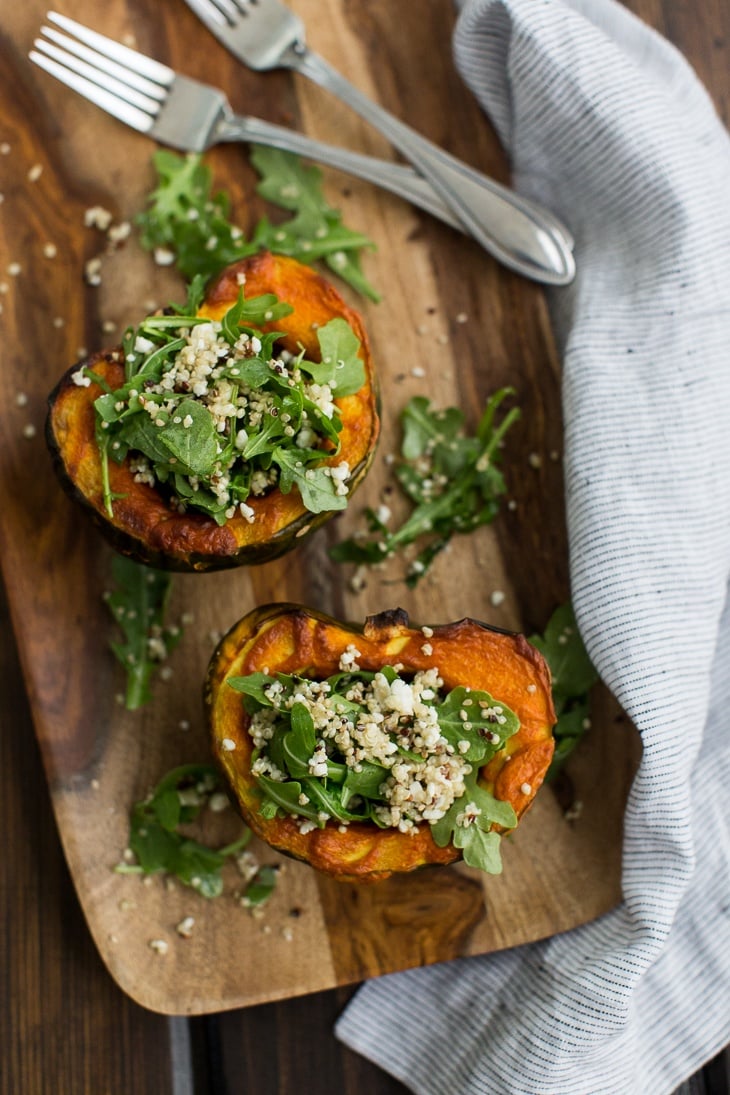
x=606, y=123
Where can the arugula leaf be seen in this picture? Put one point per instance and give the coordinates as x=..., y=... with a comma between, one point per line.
x=286, y=795
x=561, y=645
x=138, y=604
x=185, y=218
x=261, y=886
x=573, y=676
x=340, y=365
x=191, y=438
x=449, y=478
x=315, y=485
x=158, y=846
x=486, y=728
x=254, y=685
x=478, y=843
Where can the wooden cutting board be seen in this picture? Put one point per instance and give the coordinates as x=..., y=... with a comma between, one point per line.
x=448, y=310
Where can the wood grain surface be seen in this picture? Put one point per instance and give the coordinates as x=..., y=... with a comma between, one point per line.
x=63, y=157
x=65, y=1027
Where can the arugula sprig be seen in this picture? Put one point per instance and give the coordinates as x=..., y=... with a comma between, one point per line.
x=472, y=721
x=468, y=825
x=573, y=676
x=451, y=480
x=159, y=845
x=187, y=219
x=138, y=603
x=208, y=458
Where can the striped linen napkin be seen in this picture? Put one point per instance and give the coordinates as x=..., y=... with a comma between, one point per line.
x=607, y=124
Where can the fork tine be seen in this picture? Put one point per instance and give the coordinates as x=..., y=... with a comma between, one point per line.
x=98, y=76
x=206, y=9
x=118, y=108
x=128, y=58
x=106, y=66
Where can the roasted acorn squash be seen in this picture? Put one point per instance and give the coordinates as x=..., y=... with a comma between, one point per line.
x=143, y=525
x=290, y=639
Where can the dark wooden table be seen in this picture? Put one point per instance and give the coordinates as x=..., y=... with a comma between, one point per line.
x=65, y=1027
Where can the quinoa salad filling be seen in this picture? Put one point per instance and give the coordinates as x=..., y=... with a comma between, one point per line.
x=215, y=414
x=398, y=751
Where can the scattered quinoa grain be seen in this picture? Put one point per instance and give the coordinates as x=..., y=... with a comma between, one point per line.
x=496, y=597
x=534, y=460
x=29, y=431
x=97, y=217
x=185, y=927
x=159, y=946
x=14, y=268
x=35, y=172
x=526, y=788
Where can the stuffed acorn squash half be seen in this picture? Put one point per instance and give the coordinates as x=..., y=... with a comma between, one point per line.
x=226, y=428
x=366, y=752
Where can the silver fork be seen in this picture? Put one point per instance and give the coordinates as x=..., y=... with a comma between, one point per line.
x=190, y=116
x=265, y=34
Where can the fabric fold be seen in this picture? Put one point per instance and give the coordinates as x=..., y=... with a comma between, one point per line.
x=607, y=124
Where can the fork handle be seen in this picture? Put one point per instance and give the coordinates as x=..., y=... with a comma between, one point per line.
x=519, y=233
x=398, y=179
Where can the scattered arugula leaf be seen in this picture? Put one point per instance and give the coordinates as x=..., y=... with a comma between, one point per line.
x=157, y=843
x=138, y=603
x=573, y=676
x=187, y=220
x=450, y=479
x=261, y=887
x=319, y=777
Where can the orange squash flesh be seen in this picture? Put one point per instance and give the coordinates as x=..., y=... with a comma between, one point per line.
x=291, y=639
x=143, y=525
